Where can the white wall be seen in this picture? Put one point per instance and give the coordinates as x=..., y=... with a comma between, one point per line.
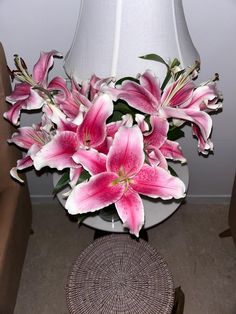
x=212, y=25
x=28, y=27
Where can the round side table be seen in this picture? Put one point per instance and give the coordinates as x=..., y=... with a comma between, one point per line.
x=117, y=274
x=156, y=210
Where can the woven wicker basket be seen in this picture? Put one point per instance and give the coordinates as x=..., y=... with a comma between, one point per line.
x=117, y=274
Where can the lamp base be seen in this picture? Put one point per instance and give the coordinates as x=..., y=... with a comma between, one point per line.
x=109, y=213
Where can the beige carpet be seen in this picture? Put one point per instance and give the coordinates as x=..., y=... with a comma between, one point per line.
x=202, y=263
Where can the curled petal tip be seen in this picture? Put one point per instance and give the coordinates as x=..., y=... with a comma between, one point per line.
x=14, y=174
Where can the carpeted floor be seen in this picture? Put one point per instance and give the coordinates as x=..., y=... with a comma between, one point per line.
x=201, y=262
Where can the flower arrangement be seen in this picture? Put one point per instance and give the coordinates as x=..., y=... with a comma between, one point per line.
x=111, y=138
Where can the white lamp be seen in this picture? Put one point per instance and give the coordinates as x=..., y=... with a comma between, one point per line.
x=112, y=34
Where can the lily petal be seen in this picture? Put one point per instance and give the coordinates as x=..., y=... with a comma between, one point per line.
x=204, y=146
x=96, y=84
x=126, y=155
x=172, y=150
x=158, y=134
x=143, y=125
x=20, y=92
x=74, y=175
x=58, y=153
x=202, y=96
x=34, y=101
x=157, y=182
x=91, y=160
x=13, y=114
x=137, y=97
x=105, y=146
x=151, y=83
x=98, y=192
x=58, y=117
x=200, y=118
x=26, y=137
x=14, y=174
x=81, y=94
x=113, y=127
x=92, y=131
x=22, y=163
x=59, y=84
x=31, y=101
x=174, y=95
x=41, y=68
x=64, y=97
x=131, y=212
x=156, y=158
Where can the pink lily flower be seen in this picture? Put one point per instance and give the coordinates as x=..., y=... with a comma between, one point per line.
x=58, y=152
x=119, y=178
x=83, y=94
x=25, y=137
x=64, y=98
x=55, y=115
x=90, y=134
x=24, y=95
x=96, y=85
x=203, y=99
x=156, y=145
x=181, y=100
x=92, y=131
x=31, y=139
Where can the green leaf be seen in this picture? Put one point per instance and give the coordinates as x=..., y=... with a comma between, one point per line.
x=166, y=80
x=63, y=181
x=123, y=107
x=85, y=175
x=175, y=133
x=175, y=62
x=116, y=116
x=155, y=57
x=128, y=78
x=82, y=217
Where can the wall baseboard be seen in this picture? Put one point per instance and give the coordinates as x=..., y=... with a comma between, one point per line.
x=208, y=199
x=194, y=199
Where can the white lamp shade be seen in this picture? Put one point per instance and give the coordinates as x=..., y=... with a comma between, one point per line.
x=112, y=34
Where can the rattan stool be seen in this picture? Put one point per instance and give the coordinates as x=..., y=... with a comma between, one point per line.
x=117, y=274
